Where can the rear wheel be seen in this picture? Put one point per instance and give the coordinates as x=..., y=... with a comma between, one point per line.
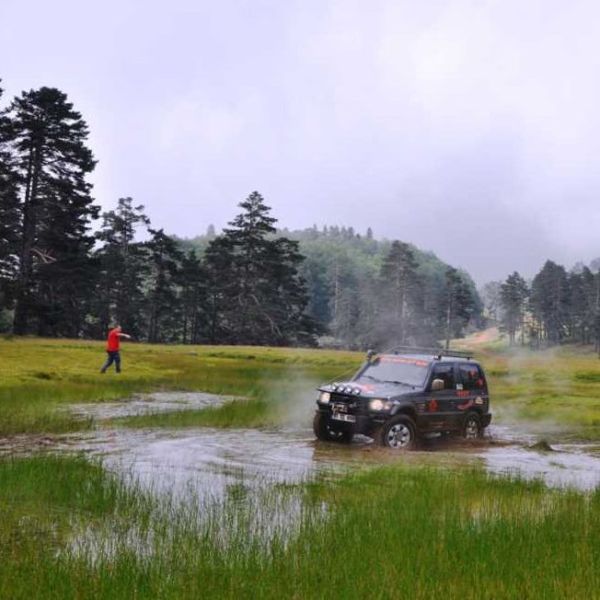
x=324, y=432
x=399, y=433
x=472, y=429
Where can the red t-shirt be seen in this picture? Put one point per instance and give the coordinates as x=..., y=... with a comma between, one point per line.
x=113, y=342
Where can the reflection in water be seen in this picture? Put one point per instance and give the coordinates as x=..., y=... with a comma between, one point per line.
x=210, y=469
x=215, y=459
x=157, y=402
x=211, y=461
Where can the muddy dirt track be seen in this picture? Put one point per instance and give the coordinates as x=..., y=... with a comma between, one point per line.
x=212, y=460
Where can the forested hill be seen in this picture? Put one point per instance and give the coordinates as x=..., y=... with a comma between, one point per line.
x=356, y=284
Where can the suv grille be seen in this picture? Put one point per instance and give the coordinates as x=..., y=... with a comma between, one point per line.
x=343, y=398
x=352, y=404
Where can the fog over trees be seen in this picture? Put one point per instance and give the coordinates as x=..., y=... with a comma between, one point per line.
x=557, y=306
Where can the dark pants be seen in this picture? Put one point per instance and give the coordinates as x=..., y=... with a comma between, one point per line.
x=113, y=357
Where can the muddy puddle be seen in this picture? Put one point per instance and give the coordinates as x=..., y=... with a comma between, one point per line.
x=214, y=461
x=146, y=404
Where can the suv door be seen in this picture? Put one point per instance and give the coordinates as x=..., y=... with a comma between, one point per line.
x=439, y=410
x=473, y=392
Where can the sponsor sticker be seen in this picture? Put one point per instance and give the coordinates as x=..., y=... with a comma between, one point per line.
x=404, y=361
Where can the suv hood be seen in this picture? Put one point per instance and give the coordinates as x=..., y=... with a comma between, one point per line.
x=372, y=389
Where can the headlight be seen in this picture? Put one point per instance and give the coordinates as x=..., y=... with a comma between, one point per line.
x=378, y=404
x=324, y=397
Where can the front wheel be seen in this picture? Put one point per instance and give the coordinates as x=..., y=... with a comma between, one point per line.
x=472, y=429
x=399, y=433
x=324, y=432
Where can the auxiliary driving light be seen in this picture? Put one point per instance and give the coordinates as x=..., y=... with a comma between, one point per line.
x=324, y=397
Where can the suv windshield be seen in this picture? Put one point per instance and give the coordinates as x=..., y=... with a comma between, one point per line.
x=396, y=369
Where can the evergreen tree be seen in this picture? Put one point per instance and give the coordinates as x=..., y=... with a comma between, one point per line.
x=513, y=296
x=584, y=305
x=550, y=302
x=193, y=297
x=9, y=217
x=123, y=269
x=262, y=297
x=221, y=288
x=457, y=304
x=342, y=291
x=399, y=298
x=164, y=258
x=47, y=138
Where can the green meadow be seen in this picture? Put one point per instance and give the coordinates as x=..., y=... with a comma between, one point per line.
x=69, y=528
x=40, y=378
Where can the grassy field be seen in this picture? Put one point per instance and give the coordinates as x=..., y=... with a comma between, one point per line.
x=40, y=377
x=69, y=530
x=559, y=388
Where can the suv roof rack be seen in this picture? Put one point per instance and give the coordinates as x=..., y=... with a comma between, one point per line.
x=439, y=352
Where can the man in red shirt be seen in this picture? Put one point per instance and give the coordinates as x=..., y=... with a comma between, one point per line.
x=112, y=348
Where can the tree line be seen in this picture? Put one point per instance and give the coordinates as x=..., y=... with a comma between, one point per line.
x=68, y=270
x=365, y=292
x=557, y=306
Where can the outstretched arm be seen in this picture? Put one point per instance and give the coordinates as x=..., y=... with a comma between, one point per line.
x=124, y=335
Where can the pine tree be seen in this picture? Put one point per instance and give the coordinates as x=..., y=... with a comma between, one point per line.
x=9, y=217
x=513, y=296
x=47, y=138
x=457, y=304
x=123, y=269
x=221, y=289
x=400, y=287
x=164, y=258
x=550, y=302
x=193, y=284
x=262, y=297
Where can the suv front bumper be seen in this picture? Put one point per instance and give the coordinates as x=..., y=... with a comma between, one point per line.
x=363, y=424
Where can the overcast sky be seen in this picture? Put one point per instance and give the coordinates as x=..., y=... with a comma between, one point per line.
x=470, y=128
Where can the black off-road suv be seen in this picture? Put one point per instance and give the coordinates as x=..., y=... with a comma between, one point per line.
x=404, y=394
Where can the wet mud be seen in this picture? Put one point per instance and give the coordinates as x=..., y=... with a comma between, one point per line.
x=215, y=461
x=146, y=404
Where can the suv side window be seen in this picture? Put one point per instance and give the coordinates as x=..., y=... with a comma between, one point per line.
x=471, y=377
x=446, y=373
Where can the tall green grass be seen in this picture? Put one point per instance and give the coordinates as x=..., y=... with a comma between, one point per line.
x=39, y=377
x=72, y=531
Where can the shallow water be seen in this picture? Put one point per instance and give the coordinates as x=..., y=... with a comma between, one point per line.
x=213, y=460
x=145, y=404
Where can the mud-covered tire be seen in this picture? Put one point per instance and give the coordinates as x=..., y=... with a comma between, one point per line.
x=324, y=432
x=472, y=428
x=399, y=433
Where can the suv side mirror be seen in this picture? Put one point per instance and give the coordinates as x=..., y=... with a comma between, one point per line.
x=437, y=385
